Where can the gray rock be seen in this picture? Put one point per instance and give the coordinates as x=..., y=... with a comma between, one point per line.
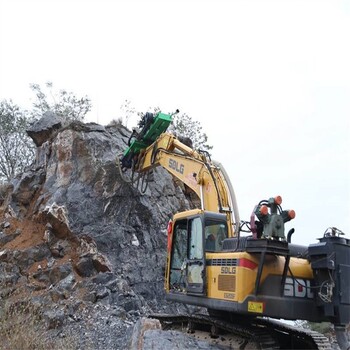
x=119, y=312
x=6, y=224
x=102, y=292
x=60, y=248
x=54, y=318
x=58, y=273
x=101, y=263
x=4, y=238
x=9, y=274
x=85, y=266
x=94, y=127
x=89, y=297
x=67, y=283
x=39, y=252
x=103, y=278
x=6, y=255
x=25, y=258
x=113, y=285
x=129, y=303
x=143, y=325
x=25, y=189
x=51, y=263
x=57, y=295
x=42, y=276
x=56, y=216
x=45, y=128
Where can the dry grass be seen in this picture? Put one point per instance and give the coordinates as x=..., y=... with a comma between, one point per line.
x=22, y=327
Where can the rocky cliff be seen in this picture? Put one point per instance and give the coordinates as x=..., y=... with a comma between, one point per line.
x=79, y=241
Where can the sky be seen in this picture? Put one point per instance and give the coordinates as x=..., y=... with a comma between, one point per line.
x=269, y=81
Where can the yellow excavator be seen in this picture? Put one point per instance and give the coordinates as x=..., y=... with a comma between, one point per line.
x=232, y=267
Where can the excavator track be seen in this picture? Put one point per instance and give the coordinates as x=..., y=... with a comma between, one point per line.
x=267, y=334
x=299, y=338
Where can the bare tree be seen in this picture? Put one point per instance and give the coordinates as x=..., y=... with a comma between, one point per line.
x=183, y=125
x=63, y=103
x=16, y=148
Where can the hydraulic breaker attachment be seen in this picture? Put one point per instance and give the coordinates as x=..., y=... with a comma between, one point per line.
x=152, y=127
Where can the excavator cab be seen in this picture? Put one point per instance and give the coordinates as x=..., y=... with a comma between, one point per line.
x=192, y=235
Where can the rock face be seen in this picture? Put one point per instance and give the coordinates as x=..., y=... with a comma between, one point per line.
x=72, y=231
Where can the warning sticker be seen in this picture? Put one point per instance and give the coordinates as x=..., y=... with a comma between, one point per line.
x=256, y=306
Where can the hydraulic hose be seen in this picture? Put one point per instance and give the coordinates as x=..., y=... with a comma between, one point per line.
x=232, y=197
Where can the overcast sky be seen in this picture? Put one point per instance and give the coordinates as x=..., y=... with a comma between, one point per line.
x=268, y=80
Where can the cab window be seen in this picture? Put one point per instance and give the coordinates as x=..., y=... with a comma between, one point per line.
x=180, y=244
x=196, y=239
x=215, y=232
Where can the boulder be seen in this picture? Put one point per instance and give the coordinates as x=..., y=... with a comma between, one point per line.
x=141, y=326
x=101, y=263
x=85, y=266
x=60, y=272
x=45, y=128
x=56, y=216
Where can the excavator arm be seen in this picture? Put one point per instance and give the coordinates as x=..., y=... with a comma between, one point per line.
x=193, y=168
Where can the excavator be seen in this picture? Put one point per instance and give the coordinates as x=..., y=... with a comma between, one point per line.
x=239, y=269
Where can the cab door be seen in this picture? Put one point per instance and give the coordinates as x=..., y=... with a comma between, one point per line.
x=195, y=269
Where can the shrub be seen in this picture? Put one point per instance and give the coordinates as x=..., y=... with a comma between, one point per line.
x=116, y=122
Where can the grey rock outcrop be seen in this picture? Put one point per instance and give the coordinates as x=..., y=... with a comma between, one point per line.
x=77, y=230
